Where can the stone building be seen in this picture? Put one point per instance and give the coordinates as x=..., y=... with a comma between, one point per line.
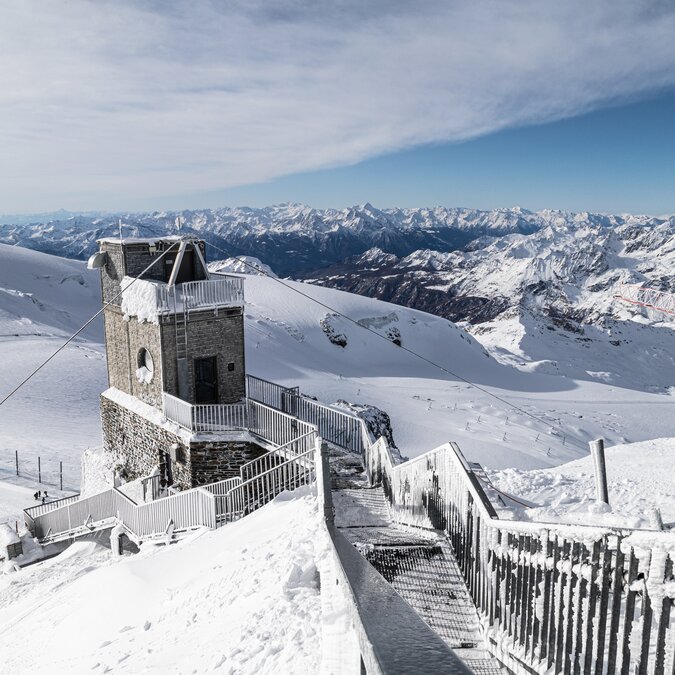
x=174, y=335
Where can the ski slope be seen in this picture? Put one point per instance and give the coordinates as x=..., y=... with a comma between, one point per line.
x=55, y=416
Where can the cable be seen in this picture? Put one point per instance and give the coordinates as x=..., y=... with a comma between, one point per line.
x=79, y=330
x=384, y=337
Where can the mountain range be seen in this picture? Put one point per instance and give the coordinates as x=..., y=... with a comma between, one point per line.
x=295, y=239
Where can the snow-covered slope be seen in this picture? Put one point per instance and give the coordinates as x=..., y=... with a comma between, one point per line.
x=545, y=301
x=286, y=342
x=43, y=300
x=241, y=599
x=45, y=295
x=290, y=338
x=639, y=477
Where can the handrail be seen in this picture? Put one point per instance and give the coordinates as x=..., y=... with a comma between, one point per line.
x=392, y=636
x=546, y=592
x=269, y=459
x=263, y=487
x=39, y=509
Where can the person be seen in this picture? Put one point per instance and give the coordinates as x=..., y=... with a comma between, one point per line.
x=43, y=499
x=36, y=496
x=46, y=495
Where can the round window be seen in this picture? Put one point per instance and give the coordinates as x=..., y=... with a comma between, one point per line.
x=146, y=366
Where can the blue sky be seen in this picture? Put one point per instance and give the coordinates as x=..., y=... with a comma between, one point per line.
x=117, y=104
x=618, y=159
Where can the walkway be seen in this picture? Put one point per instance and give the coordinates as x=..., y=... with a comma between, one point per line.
x=419, y=564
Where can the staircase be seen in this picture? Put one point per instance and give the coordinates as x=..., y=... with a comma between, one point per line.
x=419, y=564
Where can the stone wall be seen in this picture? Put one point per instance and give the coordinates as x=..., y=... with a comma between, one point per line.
x=112, y=272
x=212, y=462
x=135, y=443
x=124, y=341
x=210, y=333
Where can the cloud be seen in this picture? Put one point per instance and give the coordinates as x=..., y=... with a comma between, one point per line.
x=103, y=103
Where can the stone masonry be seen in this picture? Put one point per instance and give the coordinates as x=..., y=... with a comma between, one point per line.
x=136, y=443
x=135, y=432
x=217, y=333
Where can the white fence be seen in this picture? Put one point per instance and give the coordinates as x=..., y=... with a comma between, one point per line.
x=269, y=393
x=205, y=418
x=335, y=426
x=262, y=488
x=286, y=467
x=222, y=292
x=185, y=510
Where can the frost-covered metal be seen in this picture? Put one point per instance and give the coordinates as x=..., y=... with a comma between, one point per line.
x=552, y=598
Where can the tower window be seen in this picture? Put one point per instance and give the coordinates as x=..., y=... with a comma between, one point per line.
x=146, y=366
x=230, y=366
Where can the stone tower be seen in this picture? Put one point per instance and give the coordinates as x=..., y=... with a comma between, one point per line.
x=174, y=338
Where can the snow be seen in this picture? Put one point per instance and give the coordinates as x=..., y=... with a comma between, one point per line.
x=243, y=264
x=285, y=343
x=7, y=536
x=55, y=415
x=244, y=598
x=640, y=478
x=139, y=299
x=13, y=500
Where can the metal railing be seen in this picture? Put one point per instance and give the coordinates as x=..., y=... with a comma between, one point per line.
x=292, y=449
x=274, y=425
x=262, y=488
x=205, y=417
x=178, y=411
x=184, y=510
x=287, y=466
x=272, y=412
x=335, y=426
x=267, y=392
x=551, y=596
x=196, y=295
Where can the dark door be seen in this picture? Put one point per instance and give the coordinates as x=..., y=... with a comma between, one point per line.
x=206, y=380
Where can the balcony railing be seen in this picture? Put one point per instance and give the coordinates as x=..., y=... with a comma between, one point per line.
x=223, y=292
x=149, y=299
x=204, y=418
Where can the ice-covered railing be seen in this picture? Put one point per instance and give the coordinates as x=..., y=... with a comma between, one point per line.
x=647, y=297
x=552, y=598
x=147, y=300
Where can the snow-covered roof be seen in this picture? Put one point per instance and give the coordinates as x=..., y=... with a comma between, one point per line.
x=171, y=238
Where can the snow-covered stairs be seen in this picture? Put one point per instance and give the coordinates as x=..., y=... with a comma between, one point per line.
x=419, y=564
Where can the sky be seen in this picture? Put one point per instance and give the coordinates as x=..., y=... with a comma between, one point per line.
x=120, y=105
